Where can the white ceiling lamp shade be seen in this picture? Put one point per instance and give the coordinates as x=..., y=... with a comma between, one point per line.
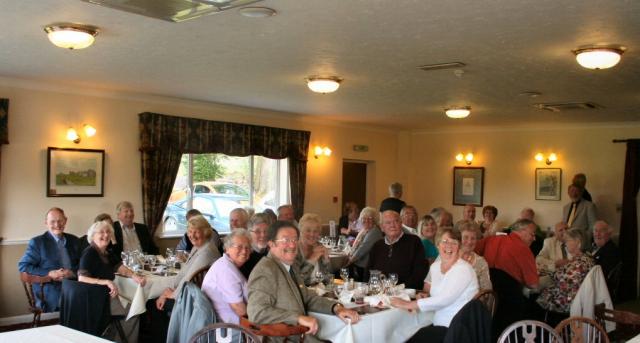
x=71, y=36
x=323, y=84
x=594, y=57
x=458, y=112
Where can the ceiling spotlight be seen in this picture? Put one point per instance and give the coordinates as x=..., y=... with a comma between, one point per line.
x=458, y=112
x=71, y=36
x=593, y=57
x=323, y=84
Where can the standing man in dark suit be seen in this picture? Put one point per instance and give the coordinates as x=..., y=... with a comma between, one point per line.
x=54, y=254
x=131, y=236
x=579, y=214
x=393, y=202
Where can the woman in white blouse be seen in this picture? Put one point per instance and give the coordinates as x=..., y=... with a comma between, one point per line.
x=453, y=284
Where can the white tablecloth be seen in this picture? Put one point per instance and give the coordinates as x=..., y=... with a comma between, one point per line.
x=49, y=334
x=131, y=292
x=634, y=339
x=389, y=326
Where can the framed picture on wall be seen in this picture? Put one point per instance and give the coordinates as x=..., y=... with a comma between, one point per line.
x=548, y=183
x=468, y=185
x=75, y=172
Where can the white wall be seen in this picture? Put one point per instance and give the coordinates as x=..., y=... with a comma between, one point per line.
x=507, y=156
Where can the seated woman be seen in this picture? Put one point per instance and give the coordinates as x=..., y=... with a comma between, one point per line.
x=224, y=284
x=312, y=256
x=489, y=226
x=203, y=254
x=427, y=229
x=567, y=278
x=98, y=265
x=349, y=220
x=453, y=284
x=367, y=237
x=469, y=231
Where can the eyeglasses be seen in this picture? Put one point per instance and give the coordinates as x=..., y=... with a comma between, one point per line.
x=287, y=240
x=259, y=232
x=241, y=246
x=450, y=243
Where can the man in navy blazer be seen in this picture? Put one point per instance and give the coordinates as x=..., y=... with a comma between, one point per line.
x=129, y=235
x=53, y=253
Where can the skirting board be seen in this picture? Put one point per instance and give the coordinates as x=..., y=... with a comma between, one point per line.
x=27, y=318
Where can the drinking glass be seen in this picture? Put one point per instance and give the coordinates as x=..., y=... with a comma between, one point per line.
x=169, y=252
x=319, y=276
x=125, y=258
x=393, y=279
x=337, y=289
x=344, y=273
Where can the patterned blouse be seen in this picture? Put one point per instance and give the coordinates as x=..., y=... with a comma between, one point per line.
x=481, y=268
x=567, y=280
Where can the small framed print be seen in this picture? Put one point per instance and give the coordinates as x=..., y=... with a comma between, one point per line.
x=468, y=185
x=75, y=172
x=548, y=183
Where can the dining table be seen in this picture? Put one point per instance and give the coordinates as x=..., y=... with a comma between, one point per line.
x=132, y=293
x=376, y=325
x=337, y=259
x=50, y=334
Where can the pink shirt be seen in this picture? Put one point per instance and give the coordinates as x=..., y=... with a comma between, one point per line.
x=224, y=284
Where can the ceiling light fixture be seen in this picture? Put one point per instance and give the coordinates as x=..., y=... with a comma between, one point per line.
x=594, y=57
x=458, y=112
x=71, y=36
x=257, y=12
x=323, y=84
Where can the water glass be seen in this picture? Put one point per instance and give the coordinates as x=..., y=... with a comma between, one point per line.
x=344, y=273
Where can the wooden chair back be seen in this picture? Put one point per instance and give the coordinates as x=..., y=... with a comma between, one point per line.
x=489, y=298
x=529, y=331
x=198, y=276
x=222, y=332
x=627, y=323
x=28, y=280
x=274, y=330
x=581, y=330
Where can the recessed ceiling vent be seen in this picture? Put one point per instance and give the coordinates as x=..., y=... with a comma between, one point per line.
x=438, y=66
x=567, y=106
x=172, y=10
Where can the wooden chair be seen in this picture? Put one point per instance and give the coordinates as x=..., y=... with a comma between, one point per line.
x=222, y=332
x=627, y=323
x=274, y=330
x=581, y=330
x=198, y=276
x=489, y=299
x=529, y=331
x=27, y=282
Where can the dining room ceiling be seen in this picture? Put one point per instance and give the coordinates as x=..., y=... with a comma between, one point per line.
x=516, y=54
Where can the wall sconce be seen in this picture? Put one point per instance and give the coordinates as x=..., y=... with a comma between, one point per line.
x=72, y=134
x=468, y=158
x=319, y=151
x=550, y=159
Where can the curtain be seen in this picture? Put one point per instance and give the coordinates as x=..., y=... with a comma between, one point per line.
x=629, y=222
x=4, y=125
x=163, y=140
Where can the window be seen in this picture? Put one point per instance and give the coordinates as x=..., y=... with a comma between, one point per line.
x=215, y=184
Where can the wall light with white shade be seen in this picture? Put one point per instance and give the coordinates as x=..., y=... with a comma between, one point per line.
x=552, y=157
x=467, y=158
x=320, y=151
x=72, y=134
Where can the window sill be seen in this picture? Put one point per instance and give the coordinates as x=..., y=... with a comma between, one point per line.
x=171, y=235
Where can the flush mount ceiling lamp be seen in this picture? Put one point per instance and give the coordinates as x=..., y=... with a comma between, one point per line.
x=323, y=85
x=599, y=57
x=71, y=36
x=458, y=112
x=257, y=12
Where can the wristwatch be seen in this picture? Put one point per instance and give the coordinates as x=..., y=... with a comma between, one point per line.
x=336, y=307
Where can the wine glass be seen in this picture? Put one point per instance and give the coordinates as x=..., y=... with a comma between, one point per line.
x=125, y=258
x=344, y=274
x=393, y=279
x=169, y=252
x=319, y=276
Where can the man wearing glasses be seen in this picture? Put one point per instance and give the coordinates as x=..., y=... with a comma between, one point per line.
x=276, y=292
x=258, y=226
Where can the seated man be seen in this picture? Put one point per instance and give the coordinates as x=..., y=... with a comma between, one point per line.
x=409, y=216
x=605, y=253
x=53, y=253
x=286, y=213
x=536, y=245
x=511, y=266
x=399, y=253
x=131, y=236
x=554, y=250
x=238, y=218
x=276, y=292
x=186, y=245
x=258, y=226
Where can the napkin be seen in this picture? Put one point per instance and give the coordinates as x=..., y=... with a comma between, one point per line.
x=345, y=296
x=384, y=300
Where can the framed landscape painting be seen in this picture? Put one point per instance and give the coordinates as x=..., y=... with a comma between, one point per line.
x=548, y=183
x=75, y=172
x=468, y=185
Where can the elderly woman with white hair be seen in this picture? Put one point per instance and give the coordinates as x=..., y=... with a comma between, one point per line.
x=312, y=256
x=367, y=237
x=224, y=283
x=98, y=266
